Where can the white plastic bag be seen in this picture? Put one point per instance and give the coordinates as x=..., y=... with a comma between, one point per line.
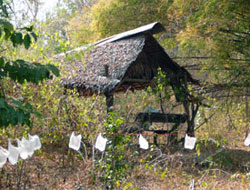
x=35, y=142
x=13, y=153
x=26, y=148
x=247, y=140
x=143, y=142
x=3, y=156
x=75, y=141
x=189, y=142
x=191, y=186
x=101, y=143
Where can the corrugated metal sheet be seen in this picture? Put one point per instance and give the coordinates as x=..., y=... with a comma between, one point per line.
x=152, y=28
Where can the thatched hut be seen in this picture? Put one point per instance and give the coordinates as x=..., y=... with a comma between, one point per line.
x=129, y=60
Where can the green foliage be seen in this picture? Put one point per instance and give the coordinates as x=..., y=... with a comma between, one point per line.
x=109, y=17
x=220, y=30
x=162, y=89
x=115, y=164
x=15, y=111
x=79, y=30
x=21, y=71
x=115, y=16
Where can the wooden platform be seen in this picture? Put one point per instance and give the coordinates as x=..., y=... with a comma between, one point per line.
x=161, y=117
x=147, y=118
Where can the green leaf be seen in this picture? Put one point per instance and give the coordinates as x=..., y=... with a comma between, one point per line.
x=16, y=38
x=204, y=184
x=13, y=40
x=27, y=41
x=7, y=25
x=34, y=35
x=19, y=38
x=54, y=70
x=1, y=61
x=4, y=12
x=22, y=71
x=127, y=186
x=29, y=29
x=7, y=34
x=15, y=112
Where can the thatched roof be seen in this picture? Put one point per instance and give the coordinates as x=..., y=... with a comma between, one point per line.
x=126, y=60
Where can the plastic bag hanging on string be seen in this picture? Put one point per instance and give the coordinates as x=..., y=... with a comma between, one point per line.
x=75, y=141
x=35, y=141
x=143, y=142
x=101, y=143
x=189, y=142
x=191, y=186
x=28, y=145
x=13, y=153
x=26, y=148
x=3, y=156
x=247, y=140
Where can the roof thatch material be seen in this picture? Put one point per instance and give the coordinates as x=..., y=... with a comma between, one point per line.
x=127, y=60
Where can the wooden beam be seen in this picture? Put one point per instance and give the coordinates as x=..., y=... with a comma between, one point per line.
x=106, y=70
x=137, y=80
x=160, y=117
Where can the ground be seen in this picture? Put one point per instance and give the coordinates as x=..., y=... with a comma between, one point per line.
x=170, y=168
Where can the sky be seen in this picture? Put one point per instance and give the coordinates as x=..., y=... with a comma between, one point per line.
x=20, y=7
x=48, y=6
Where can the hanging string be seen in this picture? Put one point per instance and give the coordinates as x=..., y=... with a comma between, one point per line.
x=145, y=133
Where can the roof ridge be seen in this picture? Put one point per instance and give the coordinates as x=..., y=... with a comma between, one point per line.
x=153, y=28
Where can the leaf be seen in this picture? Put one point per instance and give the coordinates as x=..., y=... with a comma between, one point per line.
x=7, y=25
x=22, y=71
x=7, y=34
x=127, y=186
x=14, y=114
x=34, y=35
x=2, y=103
x=27, y=41
x=29, y=29
x=13, y=39
x=1, y=61
x=4, y=12
x=19, y=38
x=204, y=184
x=54, y=70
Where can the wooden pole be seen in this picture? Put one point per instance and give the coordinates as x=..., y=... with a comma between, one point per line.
x=247, y=113
x=109, y=102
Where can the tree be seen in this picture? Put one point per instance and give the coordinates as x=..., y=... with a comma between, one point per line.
x=218, y=30
x=74, y=6
x=115, y=16
x=24, y=12
x=13, y=111
x=105, y=18
x=216, y=36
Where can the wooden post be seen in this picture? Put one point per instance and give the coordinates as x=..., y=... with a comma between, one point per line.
x=109, y=102
x=109, y=96
x=247, y=113
x=106, y=70
x=173, y=134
